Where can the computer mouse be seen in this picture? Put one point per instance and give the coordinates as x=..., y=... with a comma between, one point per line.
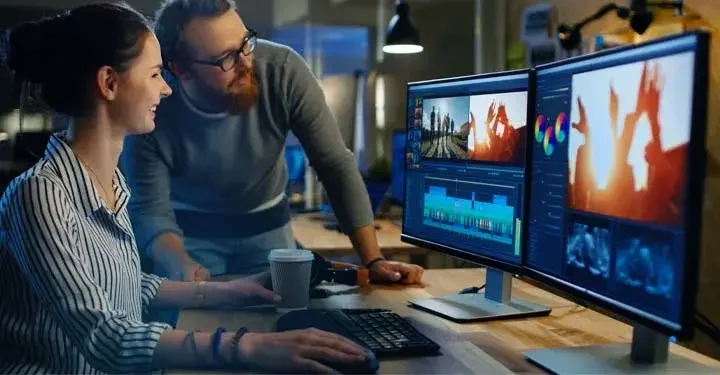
x=369, y=366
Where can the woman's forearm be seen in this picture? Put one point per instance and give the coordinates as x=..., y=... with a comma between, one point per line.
x=184, y=294
x=176, y=350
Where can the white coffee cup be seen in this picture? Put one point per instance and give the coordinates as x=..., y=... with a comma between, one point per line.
x=290, y=270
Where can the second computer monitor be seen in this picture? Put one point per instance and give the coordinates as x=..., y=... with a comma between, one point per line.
x=618, y=170
x=465, y=183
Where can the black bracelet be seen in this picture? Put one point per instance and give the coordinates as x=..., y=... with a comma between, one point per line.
x=235, y=354
x=193, y=347
x=215, y=342
x=372, y=262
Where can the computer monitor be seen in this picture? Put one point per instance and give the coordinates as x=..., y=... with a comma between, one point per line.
x=295, y=159
x=465, y=184
x=618, y=163
x=397, y=182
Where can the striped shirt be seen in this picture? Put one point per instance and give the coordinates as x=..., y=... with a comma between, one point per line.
x=72, y=293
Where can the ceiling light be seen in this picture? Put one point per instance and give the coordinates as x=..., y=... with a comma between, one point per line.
x=402, y=36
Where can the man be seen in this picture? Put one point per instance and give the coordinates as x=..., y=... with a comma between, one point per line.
x=209, y=183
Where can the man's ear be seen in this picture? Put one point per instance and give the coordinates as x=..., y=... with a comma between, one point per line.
x=107, y=81
x=178, y=70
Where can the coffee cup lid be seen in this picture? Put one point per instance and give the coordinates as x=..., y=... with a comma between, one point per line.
x=290, y=255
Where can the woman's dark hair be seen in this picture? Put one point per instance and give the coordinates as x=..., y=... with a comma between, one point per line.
x=63, y=53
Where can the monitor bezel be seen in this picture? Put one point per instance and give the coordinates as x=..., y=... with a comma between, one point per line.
x=392, y=199
x=514, y=268
x=695, y=177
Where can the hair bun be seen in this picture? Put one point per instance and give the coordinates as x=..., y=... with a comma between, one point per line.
x=34, y=48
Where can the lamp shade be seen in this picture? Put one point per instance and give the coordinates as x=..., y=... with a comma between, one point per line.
x=402, y=36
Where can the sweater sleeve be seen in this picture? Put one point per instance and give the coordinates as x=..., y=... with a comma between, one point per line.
x=148, y=177
x=42, y=236
x=315, y=126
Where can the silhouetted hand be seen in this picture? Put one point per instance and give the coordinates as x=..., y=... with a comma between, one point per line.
x=613, y=110
x=471, y=137
x=491, y=113
x=653, y=153
x=652, y=102
x=641, y=105
x=581, y=125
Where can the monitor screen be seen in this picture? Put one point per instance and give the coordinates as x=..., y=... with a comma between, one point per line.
x=295, y=159
x=614, y=134
x=465, y=176
x=398, y=167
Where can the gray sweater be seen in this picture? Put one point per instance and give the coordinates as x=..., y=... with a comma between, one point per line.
x=218, y=163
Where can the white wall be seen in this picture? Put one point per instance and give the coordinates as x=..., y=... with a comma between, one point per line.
x=289, y=11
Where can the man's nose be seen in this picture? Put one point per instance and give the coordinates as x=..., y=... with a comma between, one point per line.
x=244, y=63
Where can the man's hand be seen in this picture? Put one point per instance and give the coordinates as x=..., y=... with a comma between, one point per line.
x=396, y=272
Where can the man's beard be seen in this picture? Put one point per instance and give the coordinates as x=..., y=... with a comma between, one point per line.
x=243, y=92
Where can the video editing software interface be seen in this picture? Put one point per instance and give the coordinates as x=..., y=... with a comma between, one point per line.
x=606, y=209
x=465, y=160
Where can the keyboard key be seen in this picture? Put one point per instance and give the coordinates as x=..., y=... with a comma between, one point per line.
x=384, y=332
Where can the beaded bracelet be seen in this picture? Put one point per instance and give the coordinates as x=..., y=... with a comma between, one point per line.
x=216, y=338
x=235, y=342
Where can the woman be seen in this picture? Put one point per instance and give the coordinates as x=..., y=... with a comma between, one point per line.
x=72, y=290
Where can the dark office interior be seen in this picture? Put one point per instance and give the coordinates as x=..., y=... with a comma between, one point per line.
x=464, y=205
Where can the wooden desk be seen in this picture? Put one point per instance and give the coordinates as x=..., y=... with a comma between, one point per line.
x=312, y=235
x=491, y=347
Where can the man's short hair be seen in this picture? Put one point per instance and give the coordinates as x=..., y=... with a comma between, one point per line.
x=174, y=15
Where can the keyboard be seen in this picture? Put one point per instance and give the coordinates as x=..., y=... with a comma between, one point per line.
x=382, y=331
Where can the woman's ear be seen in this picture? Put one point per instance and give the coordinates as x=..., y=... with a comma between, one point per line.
x=178, y=70
x=107, y=82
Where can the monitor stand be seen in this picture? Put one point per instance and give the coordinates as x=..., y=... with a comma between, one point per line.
x=494, y=304
x=648, y=354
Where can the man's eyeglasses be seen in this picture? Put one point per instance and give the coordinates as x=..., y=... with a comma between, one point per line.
x=230, y=60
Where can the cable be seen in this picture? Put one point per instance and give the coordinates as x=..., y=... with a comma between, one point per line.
x=706, y=326
x=707, y=321
x=472, y=289
x=708, y=331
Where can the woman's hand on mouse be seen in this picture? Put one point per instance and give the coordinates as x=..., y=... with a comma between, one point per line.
x=299, y=351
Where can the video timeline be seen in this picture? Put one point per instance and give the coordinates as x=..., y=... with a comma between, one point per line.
x=470, y=210
x=489, y=127
x=629, y=138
